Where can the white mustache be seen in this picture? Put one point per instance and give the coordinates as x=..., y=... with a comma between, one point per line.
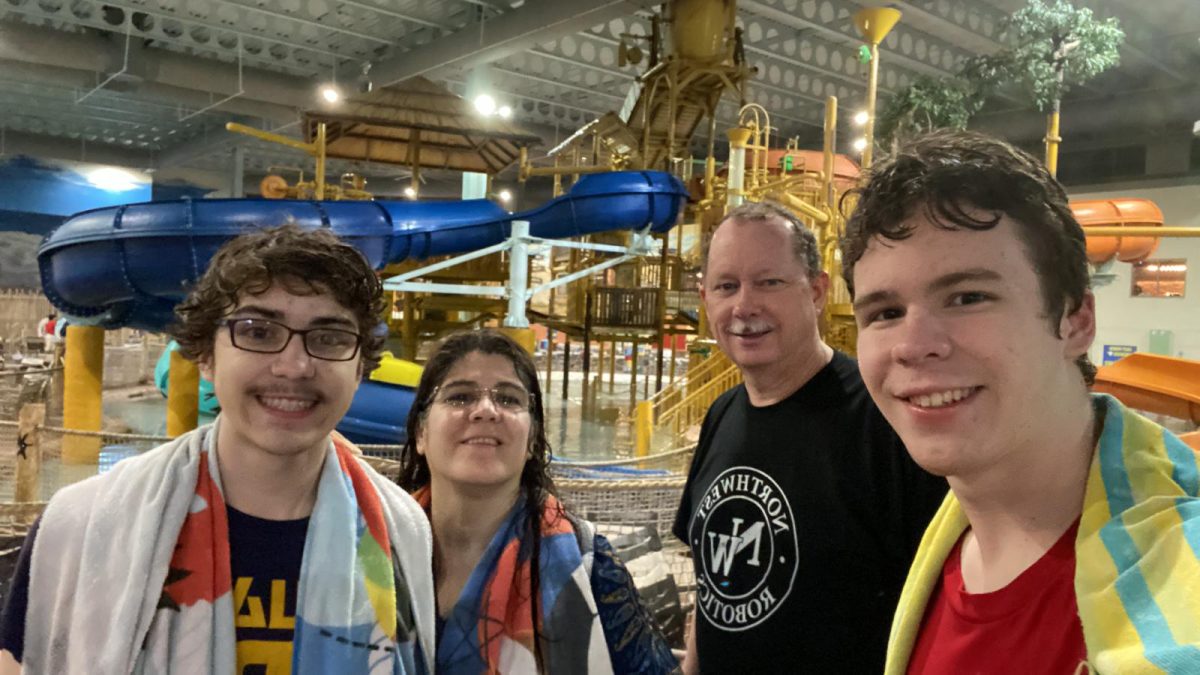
x=745, y=327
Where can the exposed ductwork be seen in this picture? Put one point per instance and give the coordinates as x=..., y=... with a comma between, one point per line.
x=534, y=22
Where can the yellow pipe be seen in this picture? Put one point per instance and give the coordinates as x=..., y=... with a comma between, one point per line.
x=270, y=137
x=1052, y=140
x=568, y=170
x=804, y=207
x=873, y=23
x=831, y=106
x=522, y=336
x=869, y=127
x=710, y=173
x=788, y=180
x=320, y=161
x=82, y=393
x=643, y=428
x=183, y=395
x=1142, y=231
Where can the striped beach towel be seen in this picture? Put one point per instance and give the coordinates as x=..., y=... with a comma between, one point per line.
x=131, y=572
x=1137, y=569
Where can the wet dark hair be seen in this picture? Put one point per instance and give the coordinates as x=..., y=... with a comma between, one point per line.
x=953, y=175
x=536, y=483
x=305, y=262
x=804, y=242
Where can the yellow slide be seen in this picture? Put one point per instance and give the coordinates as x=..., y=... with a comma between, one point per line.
x=397, y=371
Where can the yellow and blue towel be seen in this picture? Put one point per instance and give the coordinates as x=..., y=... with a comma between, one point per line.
x=1137, y=568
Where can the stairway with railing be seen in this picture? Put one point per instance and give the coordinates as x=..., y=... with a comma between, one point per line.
x=681, y=406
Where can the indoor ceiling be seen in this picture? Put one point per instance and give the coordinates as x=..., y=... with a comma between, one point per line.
x=150, y=83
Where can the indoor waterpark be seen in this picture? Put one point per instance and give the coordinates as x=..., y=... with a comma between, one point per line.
x=590, y=201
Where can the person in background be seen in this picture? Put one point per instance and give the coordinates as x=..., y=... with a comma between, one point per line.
x=802, y=509
x=1069, y=541
x=522, y=585
x=259, y=543
x=45, y=329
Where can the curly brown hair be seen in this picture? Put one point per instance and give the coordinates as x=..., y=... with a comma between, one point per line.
x=307, y=261
x=952, y=175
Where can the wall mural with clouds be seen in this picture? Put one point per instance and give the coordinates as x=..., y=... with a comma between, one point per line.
x=37, y=194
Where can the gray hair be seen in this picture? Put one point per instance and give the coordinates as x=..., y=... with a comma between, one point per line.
x=804, y=242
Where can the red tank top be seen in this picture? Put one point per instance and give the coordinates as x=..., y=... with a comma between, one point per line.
x=1031, y=626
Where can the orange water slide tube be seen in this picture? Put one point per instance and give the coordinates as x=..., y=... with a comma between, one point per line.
x=1125, y=212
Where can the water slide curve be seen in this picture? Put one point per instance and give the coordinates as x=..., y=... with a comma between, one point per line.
x=128, y=266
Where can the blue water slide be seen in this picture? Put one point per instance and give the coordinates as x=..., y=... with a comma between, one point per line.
x=130, y=265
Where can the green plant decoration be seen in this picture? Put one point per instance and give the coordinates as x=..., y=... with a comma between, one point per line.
x=1057, y=46
x=1053, y=46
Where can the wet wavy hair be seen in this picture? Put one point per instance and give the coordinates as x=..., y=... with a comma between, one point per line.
x=305, y=261
x=953, y=175
x=535, y=484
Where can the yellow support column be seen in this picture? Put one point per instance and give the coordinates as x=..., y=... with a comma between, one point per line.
x=82, y=393
x=1052, y=140
x=874, y=23
x=643, y=428
x=522, y=336
x=183, y=395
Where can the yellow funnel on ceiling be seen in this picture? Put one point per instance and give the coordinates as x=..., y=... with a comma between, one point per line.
x=876, y=22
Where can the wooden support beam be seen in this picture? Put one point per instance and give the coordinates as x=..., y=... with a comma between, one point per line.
x=29, y=451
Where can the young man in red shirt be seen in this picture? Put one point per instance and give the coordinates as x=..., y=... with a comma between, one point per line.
x=1072, y=529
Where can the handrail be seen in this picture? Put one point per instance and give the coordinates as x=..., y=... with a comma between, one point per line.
x=691, y=409
x=715, y=363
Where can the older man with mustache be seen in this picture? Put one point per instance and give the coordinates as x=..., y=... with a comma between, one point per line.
x=802, y=508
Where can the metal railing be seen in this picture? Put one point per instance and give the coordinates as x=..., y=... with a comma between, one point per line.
x=690, y=409
x=671, y=394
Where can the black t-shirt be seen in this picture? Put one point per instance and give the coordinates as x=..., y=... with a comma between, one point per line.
x=264, y=557
x=264, y=561
x=803, y=518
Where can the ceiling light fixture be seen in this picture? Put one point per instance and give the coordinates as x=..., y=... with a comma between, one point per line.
x=410, y=192
x=486, y=105
x=112, y=179
x=505, y=196
x=504, y=111
x=861, y=117
x=860, y=144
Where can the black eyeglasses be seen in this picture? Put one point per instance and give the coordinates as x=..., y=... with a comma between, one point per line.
x=271, y=337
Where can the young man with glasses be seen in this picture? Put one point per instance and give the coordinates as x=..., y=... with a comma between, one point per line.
x=260, y=542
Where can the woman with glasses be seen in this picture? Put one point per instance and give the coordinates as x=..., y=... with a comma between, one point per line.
x=522, y=586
